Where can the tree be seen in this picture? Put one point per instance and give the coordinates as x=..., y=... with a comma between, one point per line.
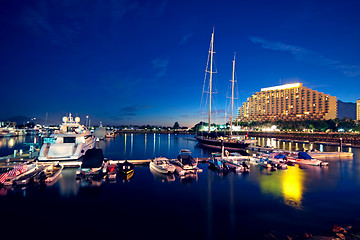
x=176, y=125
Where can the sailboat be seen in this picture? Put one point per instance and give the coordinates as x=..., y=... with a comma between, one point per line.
x=209, y=139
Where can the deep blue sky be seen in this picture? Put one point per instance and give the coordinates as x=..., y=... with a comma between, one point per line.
x=143, y=62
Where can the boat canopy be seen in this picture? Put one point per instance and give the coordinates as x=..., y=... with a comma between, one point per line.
x=304, y=155
x=280, y=156
x=93, y=158
x=186, y=159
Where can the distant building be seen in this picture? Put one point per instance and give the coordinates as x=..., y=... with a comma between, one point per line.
x=289, y=102
x=358, y=110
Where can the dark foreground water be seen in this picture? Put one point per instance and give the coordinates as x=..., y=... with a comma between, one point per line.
x=207, y=206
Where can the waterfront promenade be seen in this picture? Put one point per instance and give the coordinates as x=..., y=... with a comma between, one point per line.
x=348, y=139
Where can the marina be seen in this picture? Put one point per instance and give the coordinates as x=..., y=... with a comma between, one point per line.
x=180, y=120
x=288, y=193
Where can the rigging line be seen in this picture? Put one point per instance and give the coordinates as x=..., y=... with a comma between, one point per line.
x=206, y=71
x=238, y=103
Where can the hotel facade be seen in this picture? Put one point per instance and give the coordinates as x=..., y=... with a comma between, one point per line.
x=289, y=102
x=358, y=110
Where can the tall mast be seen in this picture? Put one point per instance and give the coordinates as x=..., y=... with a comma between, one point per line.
x=232, y=95
x=210, y=82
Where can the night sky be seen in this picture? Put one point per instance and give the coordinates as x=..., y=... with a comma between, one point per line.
x=143, y=62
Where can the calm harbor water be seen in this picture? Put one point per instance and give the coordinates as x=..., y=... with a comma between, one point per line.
x=207, y=206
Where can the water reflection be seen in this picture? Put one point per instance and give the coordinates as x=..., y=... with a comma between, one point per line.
x=162, y=177
x=131, y=144
x=168, y=149
x=11, y=143
x=287, y=184
x=67, y=186
x=145, y=135
x=8, y=144
x=154, y=144
x=125, y=137
x=293, y=186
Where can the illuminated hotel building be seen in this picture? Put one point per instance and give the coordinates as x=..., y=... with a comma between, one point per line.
x=358, y=110
x=289, y=102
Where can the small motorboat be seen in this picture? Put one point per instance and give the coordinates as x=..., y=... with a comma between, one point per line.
x=266, y=163
x=279, y=161
x=185, y=160
x=236, y=162
x=93, y=165
x=28, y=177
x=50, y=173
x=111, y=172
x=162, y=165
x=126, y=170
x=304, y=158
x=263, y=163
x=218, y=164
x=18, y=171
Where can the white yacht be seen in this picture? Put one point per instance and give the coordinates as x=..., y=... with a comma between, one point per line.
x=162, y=165
x=67, y=144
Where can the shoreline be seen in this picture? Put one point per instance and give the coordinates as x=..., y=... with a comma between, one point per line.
x=347, y=139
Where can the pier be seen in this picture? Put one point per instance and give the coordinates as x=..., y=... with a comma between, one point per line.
x=147, y=161
x=349, y=139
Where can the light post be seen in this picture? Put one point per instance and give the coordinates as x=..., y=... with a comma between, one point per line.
x=340, y=144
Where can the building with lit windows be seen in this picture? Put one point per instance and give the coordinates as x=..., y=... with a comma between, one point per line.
x=358, y=110
x=289, y=102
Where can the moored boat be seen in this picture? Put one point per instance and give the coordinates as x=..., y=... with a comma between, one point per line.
x=279, y=160
x=185, y=160
x=14, y=172
x=162, y=165
x=218, y=164
x=125, y=170
x=28, y=177
x=264, y=163
x=68, y=144
x=111, y=172
x=216, y=143
x=52, y=172
x=93, y=165
x=303, y=158
x=212, y=139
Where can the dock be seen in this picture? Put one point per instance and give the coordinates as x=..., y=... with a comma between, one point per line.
x=331, y=155
x=20, y=157
x=147, y=161
x=335, y=139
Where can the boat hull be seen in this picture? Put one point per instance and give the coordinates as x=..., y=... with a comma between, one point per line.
x=217, y=144
x=159, y=168
x=78, y=153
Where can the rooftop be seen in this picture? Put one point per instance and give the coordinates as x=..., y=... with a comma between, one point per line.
x=285, y=86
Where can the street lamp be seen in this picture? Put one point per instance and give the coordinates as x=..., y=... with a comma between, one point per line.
x=340, y=144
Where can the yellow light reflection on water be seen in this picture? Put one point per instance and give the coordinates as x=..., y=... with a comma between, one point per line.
x=293, y=186
x=125, y=136
x=11, y=143
x=287, y=184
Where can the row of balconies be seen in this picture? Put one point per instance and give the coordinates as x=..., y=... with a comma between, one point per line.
x=284, y=117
